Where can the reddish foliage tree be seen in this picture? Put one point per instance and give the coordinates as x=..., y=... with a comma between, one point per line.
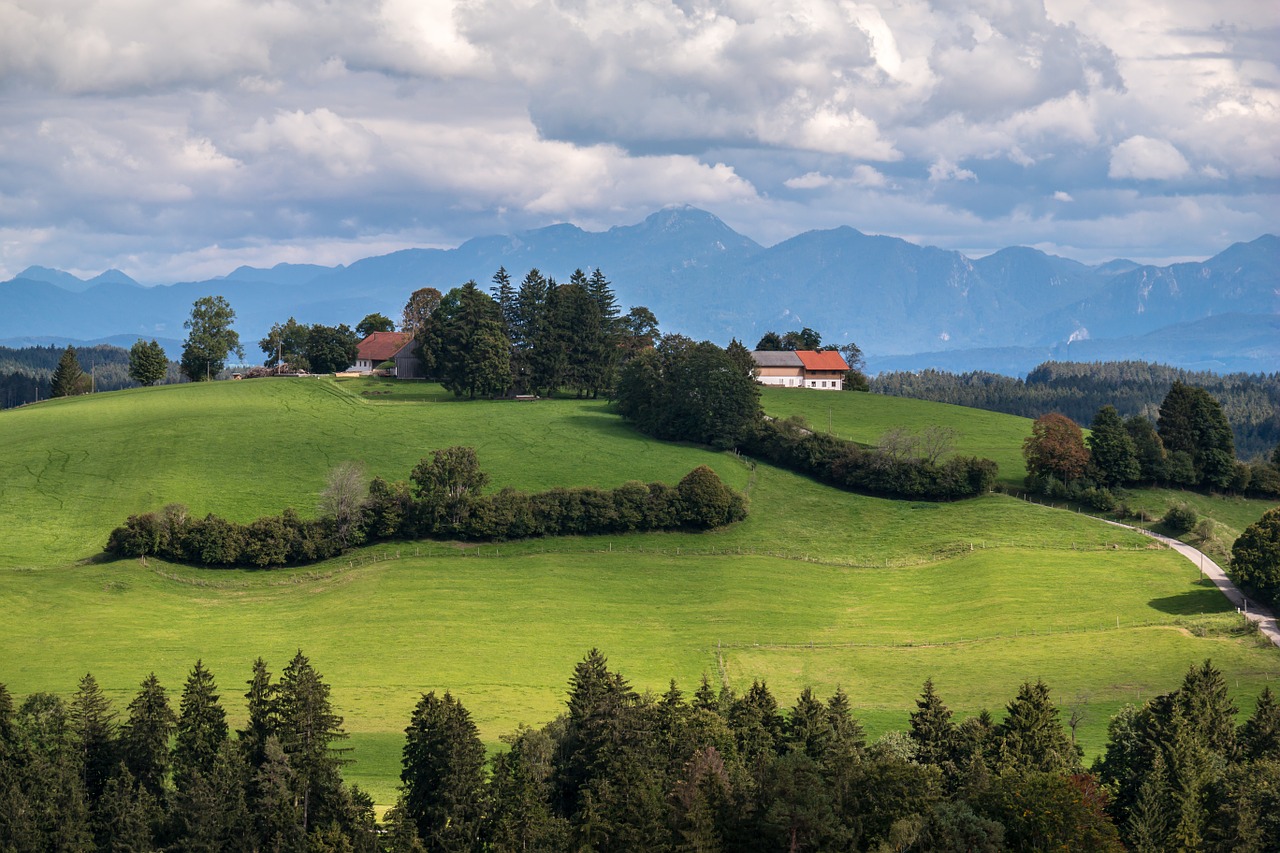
x=1055, y=446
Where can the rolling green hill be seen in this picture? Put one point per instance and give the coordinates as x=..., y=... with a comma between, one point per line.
x=817, y=587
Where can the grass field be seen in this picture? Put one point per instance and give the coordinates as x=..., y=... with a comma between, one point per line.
x=817, y=587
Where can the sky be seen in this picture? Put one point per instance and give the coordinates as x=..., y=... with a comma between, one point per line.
x=179, y=140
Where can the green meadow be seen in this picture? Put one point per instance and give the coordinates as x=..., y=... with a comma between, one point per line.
x=817, y=587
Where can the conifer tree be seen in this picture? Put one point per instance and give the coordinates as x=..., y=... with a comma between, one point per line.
x=93, y=728
x=932, y=729
x=307, y=728
x=443, y=774
x=262, y=717
x=598, y=700
x=808, y=727
x=144, y=738
x=1260, y=734
x=1031, y=735
x=201, y=729
x=68, y=377
x=705, y=697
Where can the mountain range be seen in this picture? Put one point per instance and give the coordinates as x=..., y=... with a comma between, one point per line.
x=906, y=306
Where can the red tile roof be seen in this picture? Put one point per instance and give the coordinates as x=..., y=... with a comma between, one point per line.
x=825, y=360
x=382, y=346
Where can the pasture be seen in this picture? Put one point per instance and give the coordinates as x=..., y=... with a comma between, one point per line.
x=817, y=587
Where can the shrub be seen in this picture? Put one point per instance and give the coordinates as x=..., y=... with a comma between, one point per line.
x=1180, y=518
x=705, y=501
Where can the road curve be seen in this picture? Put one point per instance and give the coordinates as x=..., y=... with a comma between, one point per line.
x=1254, y=611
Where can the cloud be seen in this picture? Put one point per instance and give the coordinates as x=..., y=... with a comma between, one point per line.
x=1146, y=159
x=156, y=133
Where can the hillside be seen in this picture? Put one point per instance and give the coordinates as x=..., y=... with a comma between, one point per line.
x=817, y=587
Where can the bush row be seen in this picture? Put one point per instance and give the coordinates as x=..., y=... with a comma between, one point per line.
x=845, y=464
x=392, y=511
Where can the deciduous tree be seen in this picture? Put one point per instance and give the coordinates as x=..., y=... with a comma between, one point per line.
x=1055, y=448
x=148, y=363
x=1255, y=556
x=209, y=339
x=374, y=323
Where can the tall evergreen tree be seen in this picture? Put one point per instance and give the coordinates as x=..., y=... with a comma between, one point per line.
x=443, y=774
x=471, y=354
x=1031, y=737
x=144, y=738
x=263, y=719
x=1111, y=449
x=598, y=701
x=68, y=377
x=1260, y=735
x=526, y=328
x=307, y=728
x=932, y=730
x=201, y=729
x=94, y=730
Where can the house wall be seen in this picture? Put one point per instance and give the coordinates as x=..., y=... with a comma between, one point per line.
x=824, y=380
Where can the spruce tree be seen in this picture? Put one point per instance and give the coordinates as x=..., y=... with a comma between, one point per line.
x=94, y=730
x=307, y=728
x=598, y=702
x=201, y=729
x=808, y=727
x=1031, y=737
x=443, y=773
x=68, y=378
x=932, y=729
x=1260, y=735
x=262, y=721
x=144, y=738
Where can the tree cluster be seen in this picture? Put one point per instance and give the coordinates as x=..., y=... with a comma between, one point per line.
x=1184, y=776
x=75, y=777
x=1190, y=447
x=686, y=391
x=538, y=338
x=620, y=770
x=442, y=499
x=1251, y=402
x=911, y=469
x=311, y=349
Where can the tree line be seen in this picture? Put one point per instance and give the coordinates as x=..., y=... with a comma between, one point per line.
x=1189, y=446
x=538, y=337
x=29, y=374
x=687, y=391
x=623, y=770
x=1250, y=401
x=442, y=499
x=74, y=776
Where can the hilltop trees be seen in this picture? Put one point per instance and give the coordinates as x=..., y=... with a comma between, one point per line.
x=1197, y=437
x=1112, y=452
x=315, y=349
x=210, y=338
x=422, y=303
x=465, y=341
x=374, y=323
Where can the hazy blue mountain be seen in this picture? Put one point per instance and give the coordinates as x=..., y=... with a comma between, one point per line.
x=705, y=280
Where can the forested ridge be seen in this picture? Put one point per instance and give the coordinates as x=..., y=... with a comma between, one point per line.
x=26, y=372
x=1251, y=401
x=622, y=770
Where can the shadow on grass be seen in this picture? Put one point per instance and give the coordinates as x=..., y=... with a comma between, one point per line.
x=1204, y=599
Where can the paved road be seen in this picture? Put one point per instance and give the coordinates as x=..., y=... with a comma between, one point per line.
x=1252, y=609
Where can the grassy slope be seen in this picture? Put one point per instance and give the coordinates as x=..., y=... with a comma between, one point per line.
x=502, y=625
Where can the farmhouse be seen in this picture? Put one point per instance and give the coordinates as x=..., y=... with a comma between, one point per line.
x=801, y=369
x=377, y=348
